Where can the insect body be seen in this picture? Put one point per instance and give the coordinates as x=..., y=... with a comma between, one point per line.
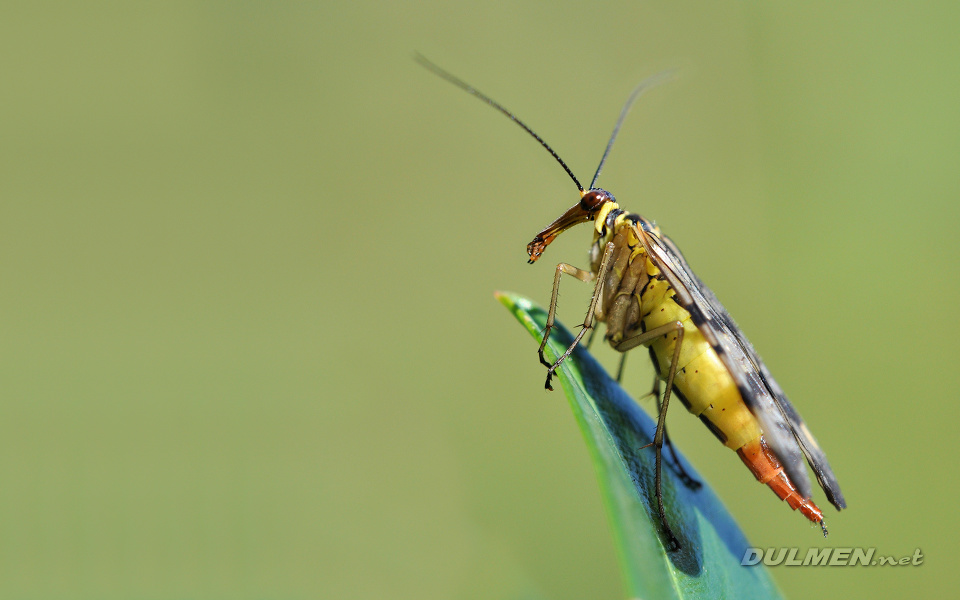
x=647, y=295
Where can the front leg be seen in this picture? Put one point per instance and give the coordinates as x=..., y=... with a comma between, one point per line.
x=586, y=277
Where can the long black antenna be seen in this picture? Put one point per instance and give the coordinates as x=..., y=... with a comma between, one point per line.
x=643, y=86
x=473, y=91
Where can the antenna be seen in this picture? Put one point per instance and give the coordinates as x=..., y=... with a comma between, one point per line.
x=643, y=86
x=474, y=92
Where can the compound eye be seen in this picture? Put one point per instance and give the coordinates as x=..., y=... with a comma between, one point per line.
x=593, y=199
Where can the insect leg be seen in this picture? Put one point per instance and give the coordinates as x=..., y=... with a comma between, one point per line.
x=687, y=479
x=623, y=362
x=589, y=342
x=655, y=392
x=585, y=276
x=582, y=275
x=657, y=443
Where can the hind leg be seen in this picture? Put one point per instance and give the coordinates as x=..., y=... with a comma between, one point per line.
x=681, y=472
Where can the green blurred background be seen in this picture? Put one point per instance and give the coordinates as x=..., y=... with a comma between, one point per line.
x=248, y=251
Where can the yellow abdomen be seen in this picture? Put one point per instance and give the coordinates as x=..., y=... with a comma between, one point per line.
x=702, y=381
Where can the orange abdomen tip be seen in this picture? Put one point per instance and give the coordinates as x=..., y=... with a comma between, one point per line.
x=766, y=468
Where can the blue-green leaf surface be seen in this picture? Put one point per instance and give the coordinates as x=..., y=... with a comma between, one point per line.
x=615, y=428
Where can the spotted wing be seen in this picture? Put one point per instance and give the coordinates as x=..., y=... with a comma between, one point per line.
x=784, y=431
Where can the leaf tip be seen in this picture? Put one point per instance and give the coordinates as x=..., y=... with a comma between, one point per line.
x=513, y=301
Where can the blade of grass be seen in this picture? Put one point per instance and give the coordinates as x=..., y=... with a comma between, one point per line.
x=614, y=427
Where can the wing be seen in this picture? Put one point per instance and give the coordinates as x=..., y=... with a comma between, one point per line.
x=784, y=431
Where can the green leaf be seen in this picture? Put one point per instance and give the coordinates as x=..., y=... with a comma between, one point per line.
x=615, y=428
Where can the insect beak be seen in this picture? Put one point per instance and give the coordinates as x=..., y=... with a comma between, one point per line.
x=575, y=215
